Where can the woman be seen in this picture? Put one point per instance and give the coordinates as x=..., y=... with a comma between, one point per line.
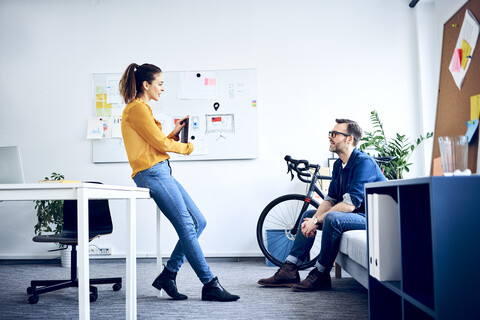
x=147, y=148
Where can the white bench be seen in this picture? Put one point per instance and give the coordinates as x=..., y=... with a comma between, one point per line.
x=352, y=256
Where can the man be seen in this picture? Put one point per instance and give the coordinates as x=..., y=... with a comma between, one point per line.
x=343, y=209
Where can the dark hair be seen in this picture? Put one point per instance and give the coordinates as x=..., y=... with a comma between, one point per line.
x=352, y=128
x=133, y=78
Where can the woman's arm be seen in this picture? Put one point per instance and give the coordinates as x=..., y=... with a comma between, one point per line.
x=141, y=120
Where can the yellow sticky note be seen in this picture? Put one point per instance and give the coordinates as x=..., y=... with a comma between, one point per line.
x=99, y=89
x=99, y=105
x=474, y=107
x=101, y=97
x=108, y=106
x=466, y=51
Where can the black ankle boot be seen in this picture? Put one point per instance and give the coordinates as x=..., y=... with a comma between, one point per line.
x=166, y=281
x=213, y=291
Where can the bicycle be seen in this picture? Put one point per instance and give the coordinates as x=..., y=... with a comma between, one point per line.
x=278, y=223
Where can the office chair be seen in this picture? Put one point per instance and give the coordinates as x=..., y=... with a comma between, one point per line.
x=99, y=223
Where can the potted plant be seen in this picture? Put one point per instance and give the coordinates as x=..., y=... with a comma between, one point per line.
x=49, y=212
x=399, y=148
x=50, y=218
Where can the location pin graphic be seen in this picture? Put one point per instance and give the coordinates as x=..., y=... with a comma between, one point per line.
x=216, y=105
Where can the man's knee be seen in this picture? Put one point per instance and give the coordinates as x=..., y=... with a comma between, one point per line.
x=331, y=219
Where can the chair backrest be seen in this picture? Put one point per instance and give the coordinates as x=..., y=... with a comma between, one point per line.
x=99, y=218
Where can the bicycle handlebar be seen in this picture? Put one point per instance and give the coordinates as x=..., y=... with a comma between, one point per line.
x=301, y=167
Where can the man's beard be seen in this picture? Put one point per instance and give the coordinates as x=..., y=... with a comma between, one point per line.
x=337, y=147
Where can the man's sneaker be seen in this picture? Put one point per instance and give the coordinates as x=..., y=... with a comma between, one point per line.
x=286, y=276
x=315, y=281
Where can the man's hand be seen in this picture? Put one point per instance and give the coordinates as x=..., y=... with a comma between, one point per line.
x=309, y=228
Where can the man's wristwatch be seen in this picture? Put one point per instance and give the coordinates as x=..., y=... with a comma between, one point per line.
x=315, y=220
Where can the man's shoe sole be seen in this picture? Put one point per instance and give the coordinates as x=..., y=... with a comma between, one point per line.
x=275, y=285
x=297, y=289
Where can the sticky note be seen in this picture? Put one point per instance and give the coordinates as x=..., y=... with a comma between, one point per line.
x=474, y=107
x=466, y=51
x=254, y=103
x=101, y=97
x=210, y=81
x=457, y=60
x=471, y=129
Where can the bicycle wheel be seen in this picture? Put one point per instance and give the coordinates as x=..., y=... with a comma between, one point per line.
x=274, y=227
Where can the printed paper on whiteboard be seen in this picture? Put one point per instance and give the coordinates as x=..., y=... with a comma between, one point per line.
x=467, y=39
x=199, y=147
x=95, y=128
x=197, y=85
x=220, y=123
x=113, y=91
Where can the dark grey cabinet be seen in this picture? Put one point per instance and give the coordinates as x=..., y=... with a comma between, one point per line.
x=439, y=230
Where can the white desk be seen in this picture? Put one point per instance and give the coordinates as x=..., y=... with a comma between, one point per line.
x=82, y=192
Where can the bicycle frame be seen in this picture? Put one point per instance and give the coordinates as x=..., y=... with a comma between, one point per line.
x=280, y=220
x=296, y=166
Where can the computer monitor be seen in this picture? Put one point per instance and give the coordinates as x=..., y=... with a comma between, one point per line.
x=11, y=170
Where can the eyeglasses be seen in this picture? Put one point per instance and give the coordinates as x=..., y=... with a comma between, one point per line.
x=333, y=134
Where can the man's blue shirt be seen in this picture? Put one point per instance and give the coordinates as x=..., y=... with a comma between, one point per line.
x=348, y=183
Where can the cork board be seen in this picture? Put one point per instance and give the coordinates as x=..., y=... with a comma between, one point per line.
x=453, y=107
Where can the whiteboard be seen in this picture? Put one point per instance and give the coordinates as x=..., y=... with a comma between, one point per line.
x=221, y=105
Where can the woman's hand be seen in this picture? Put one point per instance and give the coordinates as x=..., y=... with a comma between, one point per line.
x=179, y=127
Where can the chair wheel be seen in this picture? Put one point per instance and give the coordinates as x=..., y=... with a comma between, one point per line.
x=33, y=299
x=31, y=290
x=117, y=286
x=93, y=297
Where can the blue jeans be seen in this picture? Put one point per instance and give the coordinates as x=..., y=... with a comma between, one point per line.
x=334, y=225
x=186, y=218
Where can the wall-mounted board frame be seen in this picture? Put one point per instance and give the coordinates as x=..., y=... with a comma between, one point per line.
x=222, y=105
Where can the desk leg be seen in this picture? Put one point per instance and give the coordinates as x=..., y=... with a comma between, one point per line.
x=159, y=248
x=131, y=281
x=83, y=262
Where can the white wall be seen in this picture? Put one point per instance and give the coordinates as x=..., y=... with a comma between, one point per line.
x=430, y=18
x=316, y=60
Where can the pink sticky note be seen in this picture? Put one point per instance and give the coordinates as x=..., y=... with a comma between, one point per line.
x=210, y=81
x=457, y=60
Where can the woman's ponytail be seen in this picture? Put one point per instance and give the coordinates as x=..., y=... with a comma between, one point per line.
x=127, y=83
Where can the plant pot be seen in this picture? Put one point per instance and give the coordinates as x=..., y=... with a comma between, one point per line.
x=66, y=257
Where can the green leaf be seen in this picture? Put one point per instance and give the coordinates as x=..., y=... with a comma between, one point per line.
x=49, y=212
x=399, y=147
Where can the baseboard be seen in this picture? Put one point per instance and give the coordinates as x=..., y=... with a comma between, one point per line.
x=56, y=260
x=53, y=255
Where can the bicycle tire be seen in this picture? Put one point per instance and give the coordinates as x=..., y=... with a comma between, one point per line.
x=277, y=219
